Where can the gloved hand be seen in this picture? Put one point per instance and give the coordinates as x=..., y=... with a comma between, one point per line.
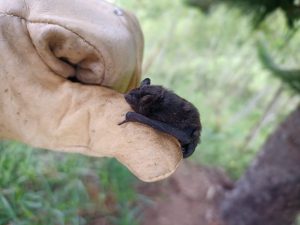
x=44, y=45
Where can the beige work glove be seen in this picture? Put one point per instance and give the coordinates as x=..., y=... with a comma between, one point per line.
x=42, y=44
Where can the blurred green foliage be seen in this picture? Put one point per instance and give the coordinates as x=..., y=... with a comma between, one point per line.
x=258, y=9
x=41, y=187
x=291, y=77
x=209, y=59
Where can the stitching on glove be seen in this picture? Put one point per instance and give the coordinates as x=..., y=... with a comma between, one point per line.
x=64, y=27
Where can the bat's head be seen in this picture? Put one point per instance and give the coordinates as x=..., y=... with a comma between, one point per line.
x=145, y=98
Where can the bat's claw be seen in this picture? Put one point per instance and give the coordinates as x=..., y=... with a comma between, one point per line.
x=124, y=121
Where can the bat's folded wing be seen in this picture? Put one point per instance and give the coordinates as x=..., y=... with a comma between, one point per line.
x=42, y=44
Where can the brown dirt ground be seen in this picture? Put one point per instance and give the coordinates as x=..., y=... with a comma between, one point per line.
x=189, y=197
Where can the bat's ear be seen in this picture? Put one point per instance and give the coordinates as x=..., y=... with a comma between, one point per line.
x=145, y=82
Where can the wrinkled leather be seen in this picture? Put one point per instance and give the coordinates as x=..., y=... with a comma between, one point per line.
x=43, y=43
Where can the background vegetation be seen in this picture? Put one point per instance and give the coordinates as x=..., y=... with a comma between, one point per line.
x=208, y=58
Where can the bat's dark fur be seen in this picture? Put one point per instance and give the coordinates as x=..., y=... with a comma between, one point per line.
x=163, y=110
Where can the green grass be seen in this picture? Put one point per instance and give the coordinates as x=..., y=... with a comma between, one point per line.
x=41, y=187
x=210, y=60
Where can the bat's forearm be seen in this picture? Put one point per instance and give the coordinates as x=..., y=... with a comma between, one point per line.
x=158, y=125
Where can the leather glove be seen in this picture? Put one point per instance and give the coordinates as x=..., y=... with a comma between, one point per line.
x=44, y=45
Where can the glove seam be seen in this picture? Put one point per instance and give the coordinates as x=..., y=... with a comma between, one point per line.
x=64, y=27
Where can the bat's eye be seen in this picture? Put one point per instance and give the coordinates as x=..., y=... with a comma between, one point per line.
x=147, y=99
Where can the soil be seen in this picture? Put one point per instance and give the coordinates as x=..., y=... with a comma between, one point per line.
x=189, y=197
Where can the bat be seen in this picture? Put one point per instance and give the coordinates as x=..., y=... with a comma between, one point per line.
x=163, y=110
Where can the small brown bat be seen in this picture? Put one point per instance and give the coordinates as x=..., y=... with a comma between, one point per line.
x=165, y=111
